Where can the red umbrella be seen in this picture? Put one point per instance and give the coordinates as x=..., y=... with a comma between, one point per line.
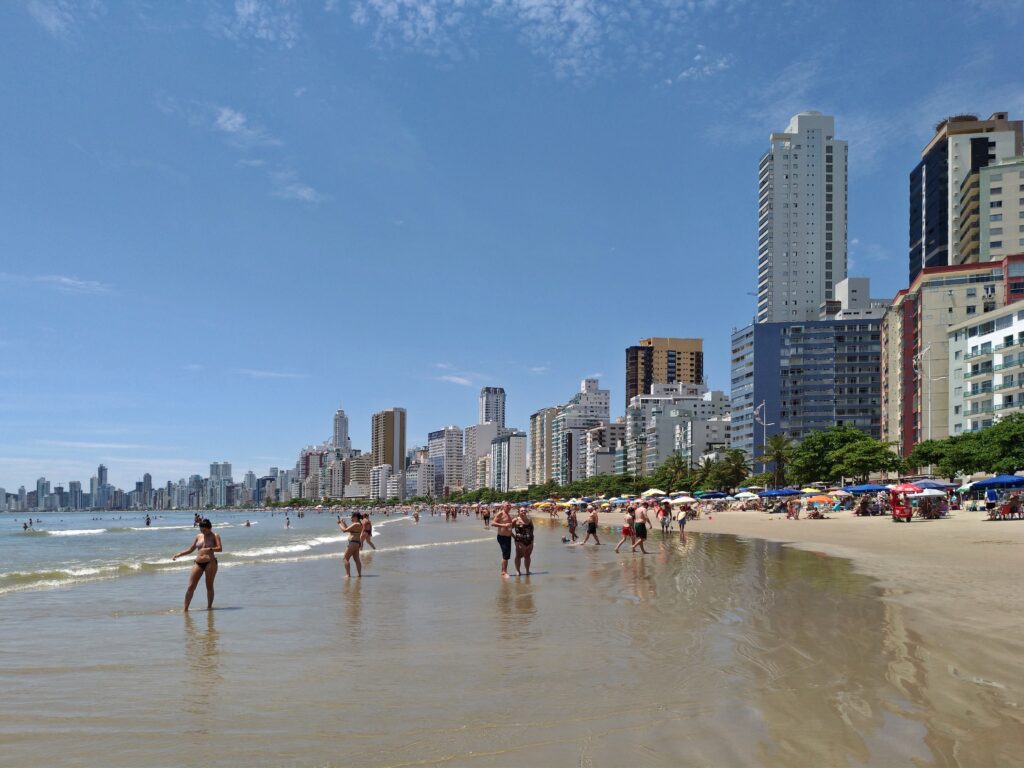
x=906, y=488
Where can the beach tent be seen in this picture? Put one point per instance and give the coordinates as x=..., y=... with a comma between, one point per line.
x=934, y=484
x=999, y=481
x=866, y=488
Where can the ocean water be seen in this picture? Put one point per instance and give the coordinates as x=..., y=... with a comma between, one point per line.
x=713, y=651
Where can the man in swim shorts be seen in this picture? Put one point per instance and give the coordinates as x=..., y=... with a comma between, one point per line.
x=503, y=522
x=591, y=527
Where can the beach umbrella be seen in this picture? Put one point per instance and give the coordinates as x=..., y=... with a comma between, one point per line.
x=927, y=492
x=744, y=495
x=999, y=481
x=778, y=492
x=838, y=492
x=684, y=500
x=754, y=488
x=586, y=499
x=711, y=495
x=652, y=492
x=821, y=499
x=965, y=488
x=906, y=488
x=606, y=505
x=932, y=484
x=866, y=488
x=810, y=489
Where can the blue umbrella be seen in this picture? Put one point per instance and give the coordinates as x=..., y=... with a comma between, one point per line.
x=713, y=495
x=999, y=481
x=934, y=484
x=869, y=488
x=779, y=492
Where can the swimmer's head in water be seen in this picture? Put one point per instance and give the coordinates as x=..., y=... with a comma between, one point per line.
x=206, y=523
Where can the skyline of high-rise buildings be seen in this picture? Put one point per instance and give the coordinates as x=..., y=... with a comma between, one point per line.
x=906, y=369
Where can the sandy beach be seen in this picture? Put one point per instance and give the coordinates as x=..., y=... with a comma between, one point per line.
x=728, y=649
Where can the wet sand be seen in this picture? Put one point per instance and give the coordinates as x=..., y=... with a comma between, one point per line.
x=720, y=650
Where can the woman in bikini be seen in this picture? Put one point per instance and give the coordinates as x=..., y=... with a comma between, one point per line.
x=207, y=543
x=522, y=532
x=627, y=528
x=366, y=537
x=355, y=534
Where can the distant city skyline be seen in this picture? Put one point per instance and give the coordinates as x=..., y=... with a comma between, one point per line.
x=255, y=213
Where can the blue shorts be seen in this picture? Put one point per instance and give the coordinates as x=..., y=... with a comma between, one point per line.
x=505, y=542
x=682, y=523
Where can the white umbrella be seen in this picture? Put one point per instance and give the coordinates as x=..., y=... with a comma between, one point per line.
x=744, y=495
x=684, y=500
x=926, y=492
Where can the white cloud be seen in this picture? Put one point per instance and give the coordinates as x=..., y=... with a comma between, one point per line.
x=704, y=66
x=258, y=374
x=289, y=187
x=538, y=369
x=63, y=283
x=268, y=21
x=233, y=124
x=61, y=17
x=192, y=367
x=444, y=366
x=579, y=37
x=453, y=379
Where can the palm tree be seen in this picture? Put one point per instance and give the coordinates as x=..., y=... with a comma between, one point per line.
x=777, y=452
x=673, y=473
x=735, y=467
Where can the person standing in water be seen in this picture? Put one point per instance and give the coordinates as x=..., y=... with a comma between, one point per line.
x=503, y=522
x=355, y=533
x=207, y=543
x=366, y=537
x=522, y=532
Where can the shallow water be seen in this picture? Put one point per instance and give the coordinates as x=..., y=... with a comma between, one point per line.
x=716, y=651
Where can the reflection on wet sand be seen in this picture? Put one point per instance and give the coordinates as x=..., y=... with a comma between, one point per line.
x=202, y=659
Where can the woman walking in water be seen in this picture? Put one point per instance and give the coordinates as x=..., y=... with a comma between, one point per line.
x=522, y=532
x=367, y=535
x=207, y=543
x=355, y=533
x=627, y=529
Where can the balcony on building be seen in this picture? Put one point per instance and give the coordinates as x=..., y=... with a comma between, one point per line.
x=984, y=370
x=980, y=354
x=983, y=389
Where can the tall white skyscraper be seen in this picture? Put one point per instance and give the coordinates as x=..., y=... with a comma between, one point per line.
x=492, y=405
x=801, y=227
x=340, y=438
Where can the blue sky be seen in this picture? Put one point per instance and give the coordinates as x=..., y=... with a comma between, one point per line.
x=220, y=221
